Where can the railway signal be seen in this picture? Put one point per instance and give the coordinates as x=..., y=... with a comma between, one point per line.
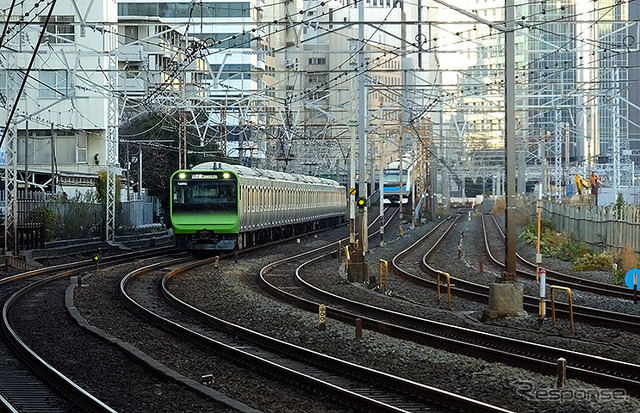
x=96, y=259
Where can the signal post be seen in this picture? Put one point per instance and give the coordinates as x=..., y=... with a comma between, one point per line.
x=358, y=270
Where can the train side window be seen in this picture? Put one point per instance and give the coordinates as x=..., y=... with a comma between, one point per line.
x=244, y=203
x=253, y=199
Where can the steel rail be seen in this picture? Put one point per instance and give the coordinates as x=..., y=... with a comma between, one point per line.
x=584, y=314
x=593, y=369
x=34, y=370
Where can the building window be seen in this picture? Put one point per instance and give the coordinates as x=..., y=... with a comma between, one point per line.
x=53, y=84
x=81, y=148
x=317, y=60
x=37, y=149
x=130, y=34
x=60, y=30
x=65, y=147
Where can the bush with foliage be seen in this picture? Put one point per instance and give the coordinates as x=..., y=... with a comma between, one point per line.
x=563, y=246
x=594, y=262
x=69, y=218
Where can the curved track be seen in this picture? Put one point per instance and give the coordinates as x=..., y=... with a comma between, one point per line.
x=284, y=280
x=559, y=278
x=354, y=385
x=593, y=369
x=596, y=370
x=27, y=382
x=584, y=314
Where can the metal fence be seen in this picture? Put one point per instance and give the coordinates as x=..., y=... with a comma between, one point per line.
x=63, y=218
x=602, y=228
x=138, y=212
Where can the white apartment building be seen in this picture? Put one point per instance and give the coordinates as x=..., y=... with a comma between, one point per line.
x=61, y=116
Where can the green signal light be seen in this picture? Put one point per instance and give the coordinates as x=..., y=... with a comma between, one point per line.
x=362, y=202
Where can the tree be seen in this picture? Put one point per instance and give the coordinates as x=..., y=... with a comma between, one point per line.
x=101, y=187
x=157, y=137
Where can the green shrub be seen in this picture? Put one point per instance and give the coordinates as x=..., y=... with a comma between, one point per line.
x=553, y=243
x=594, y=262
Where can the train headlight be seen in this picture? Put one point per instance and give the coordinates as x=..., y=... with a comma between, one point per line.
x=226, y=175
x=182, y=175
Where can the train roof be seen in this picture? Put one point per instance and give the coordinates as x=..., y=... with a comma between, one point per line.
x=263, y=173
x=407, y=162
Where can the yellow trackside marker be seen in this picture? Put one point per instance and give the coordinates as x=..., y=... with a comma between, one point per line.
x=352, y=191
x=322, y=317
x=383, y=269
x=553, y=305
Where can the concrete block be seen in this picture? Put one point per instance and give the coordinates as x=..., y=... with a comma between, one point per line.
x=505, y=300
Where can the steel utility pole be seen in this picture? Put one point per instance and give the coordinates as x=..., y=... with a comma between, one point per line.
x=357, y=265
x=362, y=126
x=510, y=140
x=505, y=298
x=11, y=147
x=111, y=43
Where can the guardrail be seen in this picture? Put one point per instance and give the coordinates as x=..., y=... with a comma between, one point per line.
x=446, y=275
x=553, y=305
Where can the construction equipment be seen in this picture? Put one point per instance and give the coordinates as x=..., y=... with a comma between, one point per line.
x=582, y=185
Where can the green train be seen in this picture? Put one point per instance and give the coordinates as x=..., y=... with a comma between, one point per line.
x=221, y=207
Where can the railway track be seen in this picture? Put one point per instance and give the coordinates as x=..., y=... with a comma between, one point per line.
x=557, y=277
x=614, y=373
x=27, y=382
x=597, y=370
x=363, y=388
x=278, y=278
x=595, y=316
x=464, y=288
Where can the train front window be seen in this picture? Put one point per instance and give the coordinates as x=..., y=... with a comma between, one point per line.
x=392, y=177
x=205, y=195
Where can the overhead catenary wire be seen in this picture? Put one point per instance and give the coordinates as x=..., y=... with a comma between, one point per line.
x=343, y=77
